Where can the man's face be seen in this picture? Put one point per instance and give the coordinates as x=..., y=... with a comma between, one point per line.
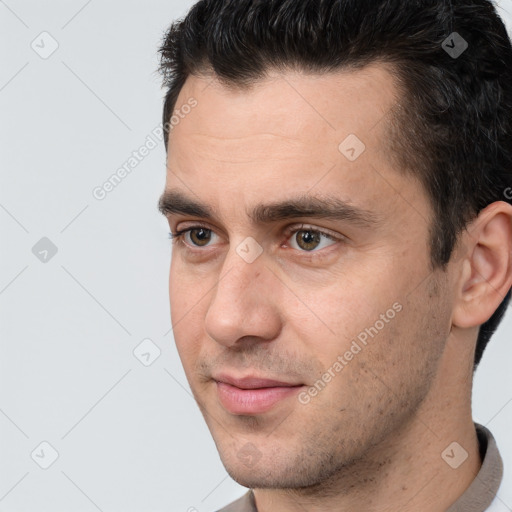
x=346, y=309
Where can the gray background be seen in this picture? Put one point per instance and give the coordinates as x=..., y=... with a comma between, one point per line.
x=129, y=437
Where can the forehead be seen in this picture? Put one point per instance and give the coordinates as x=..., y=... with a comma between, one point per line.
x=292, y=110
x=287, y=135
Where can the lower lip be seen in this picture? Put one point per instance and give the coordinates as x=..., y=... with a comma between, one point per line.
x=252, y=401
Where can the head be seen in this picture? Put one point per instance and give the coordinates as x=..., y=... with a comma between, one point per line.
x=345, y=169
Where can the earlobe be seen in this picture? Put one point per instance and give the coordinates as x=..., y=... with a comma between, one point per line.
x=486, y=273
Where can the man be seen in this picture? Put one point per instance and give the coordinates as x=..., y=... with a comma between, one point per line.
x=337, y=194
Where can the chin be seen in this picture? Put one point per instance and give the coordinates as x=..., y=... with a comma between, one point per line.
x=267, y=471
x=250, y=465
x=256, y=479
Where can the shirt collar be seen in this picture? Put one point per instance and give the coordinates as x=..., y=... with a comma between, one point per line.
x=480, y=494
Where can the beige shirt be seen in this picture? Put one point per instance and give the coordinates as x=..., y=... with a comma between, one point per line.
x=478, y=497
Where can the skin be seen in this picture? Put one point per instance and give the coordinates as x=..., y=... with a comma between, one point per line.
x=372, y=439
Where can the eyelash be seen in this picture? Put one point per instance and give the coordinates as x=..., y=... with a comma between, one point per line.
x=178, y=236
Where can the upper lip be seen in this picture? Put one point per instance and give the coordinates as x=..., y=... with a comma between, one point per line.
x=253, y=382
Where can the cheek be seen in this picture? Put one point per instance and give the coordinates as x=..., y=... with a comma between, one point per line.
x=187, y=311
x=338, y=314
x=187, y=289
x=370, y=327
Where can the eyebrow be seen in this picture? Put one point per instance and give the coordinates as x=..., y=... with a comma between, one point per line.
x=176, y=202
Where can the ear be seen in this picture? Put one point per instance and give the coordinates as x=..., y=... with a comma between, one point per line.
x=486, y=268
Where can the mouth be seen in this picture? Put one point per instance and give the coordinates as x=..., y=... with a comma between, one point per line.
x=253, y=395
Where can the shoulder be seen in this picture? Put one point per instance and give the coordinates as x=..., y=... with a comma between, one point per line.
x=243, y=504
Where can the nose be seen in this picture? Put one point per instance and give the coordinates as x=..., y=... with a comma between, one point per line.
x=244, y=303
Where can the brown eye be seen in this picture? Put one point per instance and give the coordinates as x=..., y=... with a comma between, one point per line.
x=200, y=236
x=307, y=239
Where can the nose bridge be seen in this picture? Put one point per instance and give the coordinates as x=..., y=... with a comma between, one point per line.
x=242, y=302
x=242, y=274
x=244, y=267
